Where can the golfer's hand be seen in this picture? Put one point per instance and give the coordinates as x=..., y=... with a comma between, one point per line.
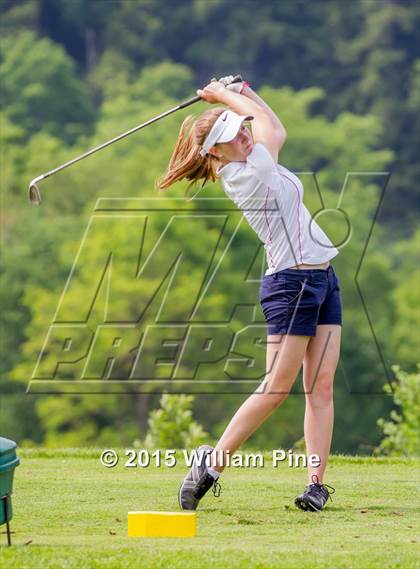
x=227, y=82
x=212, y=92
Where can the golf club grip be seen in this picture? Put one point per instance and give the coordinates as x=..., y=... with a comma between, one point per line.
x=236, y=79
x=189, y=102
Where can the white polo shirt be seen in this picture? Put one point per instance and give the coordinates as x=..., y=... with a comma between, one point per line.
x=271, y=199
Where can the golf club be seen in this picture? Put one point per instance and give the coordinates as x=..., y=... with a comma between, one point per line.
x=34, y=193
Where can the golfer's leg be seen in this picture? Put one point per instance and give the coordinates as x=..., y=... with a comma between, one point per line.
x=284, y=359
x=319, y=366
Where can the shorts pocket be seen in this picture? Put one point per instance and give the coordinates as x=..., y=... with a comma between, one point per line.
x=293, y=289
x=302, y=296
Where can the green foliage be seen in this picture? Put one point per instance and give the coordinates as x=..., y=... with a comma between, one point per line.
x=405, y=331
x=20, y=265
x=172, y=426
x=402, y=433
x=73, y=421
x=18, y=17
x=40, y=90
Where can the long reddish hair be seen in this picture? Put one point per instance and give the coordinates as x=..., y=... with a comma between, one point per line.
x=186, y=161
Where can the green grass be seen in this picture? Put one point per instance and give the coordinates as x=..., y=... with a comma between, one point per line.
x=71, y=512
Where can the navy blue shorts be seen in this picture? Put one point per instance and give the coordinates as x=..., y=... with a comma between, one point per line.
x=296, y=301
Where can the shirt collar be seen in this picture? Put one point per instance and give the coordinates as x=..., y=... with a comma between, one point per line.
x=228, y=168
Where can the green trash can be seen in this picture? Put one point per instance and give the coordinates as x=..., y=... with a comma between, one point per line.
x=8, y=463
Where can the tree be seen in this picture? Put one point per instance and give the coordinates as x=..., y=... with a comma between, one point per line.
x=172, y=425
x=375, y=45
x=406, y=322
x=402, y=433
x=40, y=88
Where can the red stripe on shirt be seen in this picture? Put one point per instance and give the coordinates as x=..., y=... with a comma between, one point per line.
x=298, y=213
x=273, y=266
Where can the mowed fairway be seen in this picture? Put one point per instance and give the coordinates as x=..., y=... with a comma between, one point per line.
x=71, y=512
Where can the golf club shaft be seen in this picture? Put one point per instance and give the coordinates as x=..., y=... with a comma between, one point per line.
x=117, y=138
x=34, y=194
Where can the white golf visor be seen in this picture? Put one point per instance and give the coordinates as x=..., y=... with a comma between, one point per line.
x=224, y=129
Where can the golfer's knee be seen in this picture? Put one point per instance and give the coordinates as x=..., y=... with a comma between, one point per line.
x=275, y=397
x=322, y=392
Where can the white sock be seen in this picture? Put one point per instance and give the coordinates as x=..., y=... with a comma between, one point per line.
x=213, y=472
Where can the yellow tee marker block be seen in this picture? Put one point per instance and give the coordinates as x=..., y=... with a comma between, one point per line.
x=162, y=524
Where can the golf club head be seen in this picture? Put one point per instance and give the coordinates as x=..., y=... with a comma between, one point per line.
x=34, y=193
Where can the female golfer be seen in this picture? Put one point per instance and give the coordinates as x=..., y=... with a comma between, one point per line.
x=299, y=293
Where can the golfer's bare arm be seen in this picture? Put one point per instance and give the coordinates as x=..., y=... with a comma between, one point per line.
x=277, y=124
x=266, y=126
